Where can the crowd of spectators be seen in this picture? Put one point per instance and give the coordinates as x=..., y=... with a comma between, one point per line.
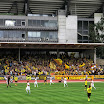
x=39, y=64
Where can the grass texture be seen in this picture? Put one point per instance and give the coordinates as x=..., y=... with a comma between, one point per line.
x=51, y=94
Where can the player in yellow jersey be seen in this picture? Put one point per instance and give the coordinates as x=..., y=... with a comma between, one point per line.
x=16, y=80
x=85, y=84
x=89, y=92
x=45, y=80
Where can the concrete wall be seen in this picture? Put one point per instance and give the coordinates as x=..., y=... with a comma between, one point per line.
x=71, y=29
x=100, y=61
x=89, y=54
x=97, y=17
x=67, y=28
x=61, y=26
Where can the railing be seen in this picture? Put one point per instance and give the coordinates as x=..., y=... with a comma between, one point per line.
x=28, y=40
x=27, y=28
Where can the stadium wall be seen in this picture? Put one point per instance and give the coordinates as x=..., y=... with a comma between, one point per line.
x=97, y=17
x=61, y=26
x=67, y=28
x=100, y=62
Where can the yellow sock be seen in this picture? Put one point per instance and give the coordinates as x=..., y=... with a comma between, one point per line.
x=88, y=99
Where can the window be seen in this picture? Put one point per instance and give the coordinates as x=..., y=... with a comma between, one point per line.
x=52, y=23
x=1, y=34
x=18, y=23
x=23, y=36
x=30, y=23
x=85, y=37
x=53, y=35
x=5, y=34
x=10, y=23
x=34, y=22
x=42, y=23
x=38, y=34
x=34, y=34
x=85, y=32
x=79, y=25
x=23, y=23
x=85, y=25
x=1, y=22
x=46, y=24
x=38, y=23
x=79, y=37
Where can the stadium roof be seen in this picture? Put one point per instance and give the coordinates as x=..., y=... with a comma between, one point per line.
x=32, y=45
x=82, y=8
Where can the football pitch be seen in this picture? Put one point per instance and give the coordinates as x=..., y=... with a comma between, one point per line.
x=51, y=94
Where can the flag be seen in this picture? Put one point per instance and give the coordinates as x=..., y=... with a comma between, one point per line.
x=58, y=61
x=82, y=65
x=52, y=65
x=67, y=67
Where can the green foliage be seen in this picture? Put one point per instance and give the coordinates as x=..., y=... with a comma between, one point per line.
x=92, y=35
x=96, y=33
x=54, y=94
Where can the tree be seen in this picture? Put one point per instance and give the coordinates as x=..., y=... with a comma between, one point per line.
x=96, y=31
x=96, y=34
x=99, y=30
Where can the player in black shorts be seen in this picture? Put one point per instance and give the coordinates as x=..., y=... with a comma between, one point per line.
x=89, y=92
x=45, y=80
x=8, y=81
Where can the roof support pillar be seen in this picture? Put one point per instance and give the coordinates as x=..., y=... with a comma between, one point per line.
x=26, y=7
x=67, y=3
x=58, y=55
x=95, y=55
x=19, y=58
x=103, y=9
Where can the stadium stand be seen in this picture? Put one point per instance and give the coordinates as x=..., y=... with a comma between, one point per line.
x=42, y=64
x=49, y=25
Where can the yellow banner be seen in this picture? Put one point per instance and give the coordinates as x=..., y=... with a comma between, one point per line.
x=99, y=76
x=57, y=77
x=28, y=77
x=2, y=78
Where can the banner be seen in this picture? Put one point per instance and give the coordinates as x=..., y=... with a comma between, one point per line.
x=75, y=77
x=28, y=77
x=2, y=78
x=99, y=76
x=42, y=77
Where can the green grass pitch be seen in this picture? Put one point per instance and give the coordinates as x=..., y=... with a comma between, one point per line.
x=54, y=94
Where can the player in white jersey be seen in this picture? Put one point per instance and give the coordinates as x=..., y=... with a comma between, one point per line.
x=65, y=82
x=11, y=79
x=51, y=81
x=35, y=83
x=92, y=84
x=28, y=87
x=8, y=80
